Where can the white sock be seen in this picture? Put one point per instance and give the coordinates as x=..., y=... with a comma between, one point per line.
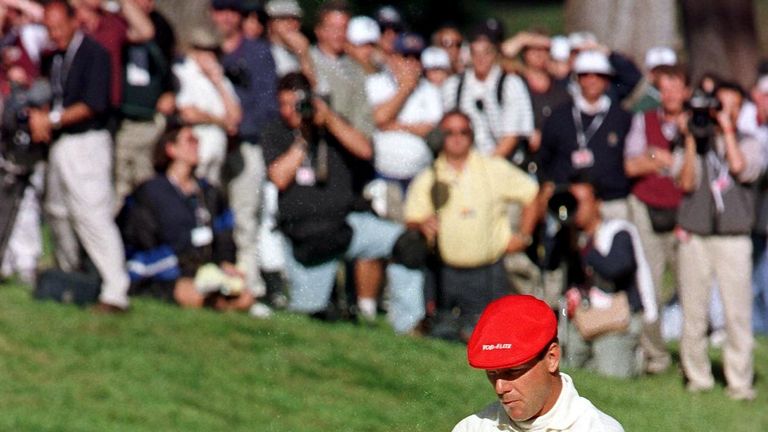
x=367, y=306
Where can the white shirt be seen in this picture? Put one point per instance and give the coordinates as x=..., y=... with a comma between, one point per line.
x=571, y=413
x=400, y=154
x=494, y=122
x=285, y=61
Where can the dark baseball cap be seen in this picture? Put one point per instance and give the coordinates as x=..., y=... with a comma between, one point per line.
x=236, y=5
x=408, y=43
x=491, y=29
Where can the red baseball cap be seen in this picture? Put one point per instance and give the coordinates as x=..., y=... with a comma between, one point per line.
x=511, y=331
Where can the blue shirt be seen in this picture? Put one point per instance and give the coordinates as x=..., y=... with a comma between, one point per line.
x=251, y=69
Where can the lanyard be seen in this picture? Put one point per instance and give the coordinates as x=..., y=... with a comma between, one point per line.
x=582, y=136
x=60, y=69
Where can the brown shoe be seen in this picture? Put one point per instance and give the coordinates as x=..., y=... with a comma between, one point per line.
x=107, y=309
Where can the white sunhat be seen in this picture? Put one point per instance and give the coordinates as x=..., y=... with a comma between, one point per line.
x=577, y=39
x=560, y=48
x=283, y=8
x=660, y=56
x=435, y=58
x=762, y=84
x=363, y=30
x=592, y=62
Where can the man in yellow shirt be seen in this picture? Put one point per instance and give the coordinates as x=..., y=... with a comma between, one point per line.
x=461, y=203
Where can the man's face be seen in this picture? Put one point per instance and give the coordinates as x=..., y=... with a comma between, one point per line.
x=283, y=25
x=593, y=85
x=528, y=391
x=450, y=40
x=61, y=27
x=673, y=93
x=286, y=102
x=588, y=209
x=145, y=5
x=458, y=136
x=536, y=57
x=331, y=32
x=483, y=55
x=227, y=21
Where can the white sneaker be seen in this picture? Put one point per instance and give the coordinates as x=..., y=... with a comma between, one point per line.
x=260, y=310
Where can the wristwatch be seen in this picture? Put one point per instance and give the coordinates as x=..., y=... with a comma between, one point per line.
x=55, y=118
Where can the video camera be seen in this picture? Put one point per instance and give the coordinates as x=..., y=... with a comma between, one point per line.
x=703, y=121
x=18, y=150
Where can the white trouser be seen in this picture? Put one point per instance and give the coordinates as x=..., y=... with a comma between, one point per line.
x=79, y=204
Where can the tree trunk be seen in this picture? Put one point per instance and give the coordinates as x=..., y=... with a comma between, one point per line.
x=185, y=15
x=628, y=26
x=722, y=39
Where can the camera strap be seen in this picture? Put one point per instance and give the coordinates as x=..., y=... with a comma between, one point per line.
x=60, y=69
x=584, y=136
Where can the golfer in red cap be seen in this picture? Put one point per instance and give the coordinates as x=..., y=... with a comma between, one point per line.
x=515, y=341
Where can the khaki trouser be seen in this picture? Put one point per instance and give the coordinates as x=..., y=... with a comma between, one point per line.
x=612, y=354
x=79, y=202
x=245, y=192
x=615, y=209
x=660, y=249
x=729, y=259
x=134, y=150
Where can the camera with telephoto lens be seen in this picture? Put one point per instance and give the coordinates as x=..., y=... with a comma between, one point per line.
x=304, y=105
x=702, y=107
x=16, y=145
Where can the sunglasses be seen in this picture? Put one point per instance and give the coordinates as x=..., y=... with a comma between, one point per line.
x=450, y=43
x=461, y=132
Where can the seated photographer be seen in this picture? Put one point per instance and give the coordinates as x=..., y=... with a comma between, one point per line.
x=610, y=285
x=460, y=206
x=310, y=152
x=178, y=233
x=716, y=217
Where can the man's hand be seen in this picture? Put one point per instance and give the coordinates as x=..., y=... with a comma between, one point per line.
x=295, y=41
x=166, y=104
x=231, y=270
x=211, y=68
x=429, y=228
x=40, y=125
x=407, y=73
x=518, y=243
x=322, y=112
x=662, y=158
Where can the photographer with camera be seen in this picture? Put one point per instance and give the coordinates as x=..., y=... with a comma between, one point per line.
x=716, y=217
x=587, y=135
x=610, y=289
x=655, y=197
x=310, y=152
x=79, y=194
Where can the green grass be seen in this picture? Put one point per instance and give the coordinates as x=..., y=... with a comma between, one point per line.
x=162, y=368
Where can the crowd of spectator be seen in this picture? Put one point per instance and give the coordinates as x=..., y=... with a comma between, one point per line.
x=376, y=170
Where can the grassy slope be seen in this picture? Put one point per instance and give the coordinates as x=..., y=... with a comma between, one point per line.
x=160, y=368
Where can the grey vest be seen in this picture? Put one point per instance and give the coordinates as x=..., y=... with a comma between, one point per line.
x=698, y=213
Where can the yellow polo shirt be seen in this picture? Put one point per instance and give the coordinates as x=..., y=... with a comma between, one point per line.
x=474, y=221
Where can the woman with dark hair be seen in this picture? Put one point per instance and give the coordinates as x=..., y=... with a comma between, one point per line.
x=178, y=233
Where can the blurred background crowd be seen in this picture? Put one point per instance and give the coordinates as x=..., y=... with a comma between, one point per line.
x=367, y=167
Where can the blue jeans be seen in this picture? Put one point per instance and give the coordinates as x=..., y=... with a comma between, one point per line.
x=760, y=286
x=311, y=286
